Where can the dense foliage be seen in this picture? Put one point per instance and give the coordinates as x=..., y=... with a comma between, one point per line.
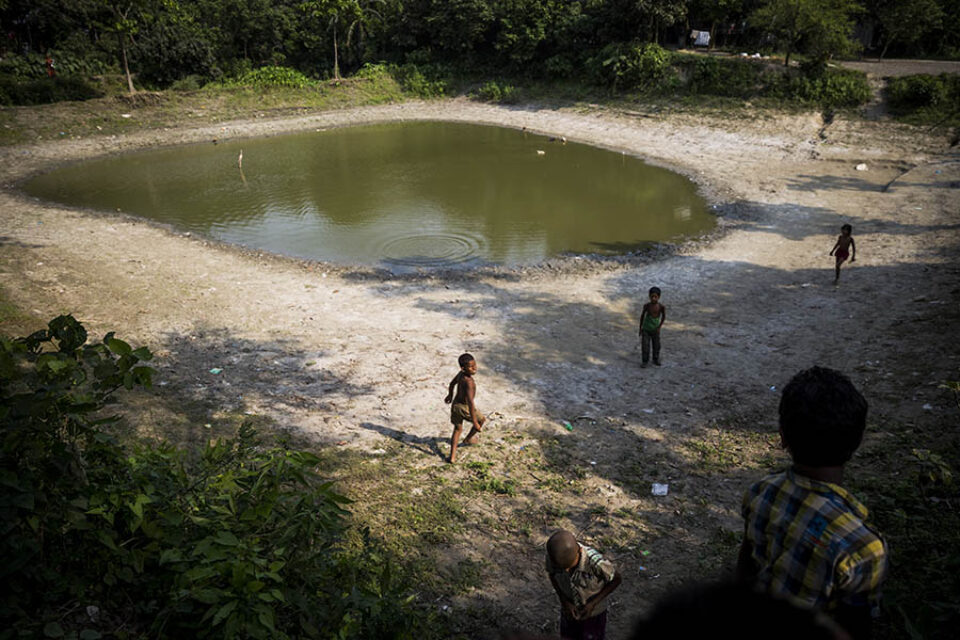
x=101, y=537
x=926, y=99
x=162, y=42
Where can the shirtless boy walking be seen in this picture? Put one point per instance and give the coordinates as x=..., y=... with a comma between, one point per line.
x=463, y=407
x=845, y=245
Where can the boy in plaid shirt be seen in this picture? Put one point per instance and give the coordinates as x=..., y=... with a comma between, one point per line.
x=806, y=538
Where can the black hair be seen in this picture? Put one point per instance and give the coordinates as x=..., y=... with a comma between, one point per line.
x=846, y=227
x=654, y=290
x=465, y=359
x=708, y=610
x=822, y=417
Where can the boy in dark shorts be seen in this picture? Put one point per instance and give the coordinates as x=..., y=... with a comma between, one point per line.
x=845, y=245
x=583, y=579
x=463, y=407
x=652, y=318
x=805, y=537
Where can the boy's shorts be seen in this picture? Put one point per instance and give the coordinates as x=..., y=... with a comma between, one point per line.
x=460, y=412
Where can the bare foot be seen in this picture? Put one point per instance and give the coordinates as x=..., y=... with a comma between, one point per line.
x=472, y=440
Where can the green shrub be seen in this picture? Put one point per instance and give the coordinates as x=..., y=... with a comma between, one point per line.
x=494, y=92
x=413, y=80
x=831, y=89
x=44, y=90
x=631, y=66
x=729, y=77
x=33, y=66
x=248, y=541
x=189, y=83
x=274, y=77
x=908, y=93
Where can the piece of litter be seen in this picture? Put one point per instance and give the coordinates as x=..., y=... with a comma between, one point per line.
x=207, y=425
x=125, y=115
x=861, y=167
x=640, y=568
x=541, y=152
x=417, y=491
x=216, y=371
x=567, y=426
x=644, y=553
x=773, y=387
x=378, y=452
x=648, y=410
x=659, y=489
x=593, y=462
x=928, y=407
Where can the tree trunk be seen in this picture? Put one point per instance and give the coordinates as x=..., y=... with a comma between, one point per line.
x=336, y=59
x=883, y=52
x=126, y=67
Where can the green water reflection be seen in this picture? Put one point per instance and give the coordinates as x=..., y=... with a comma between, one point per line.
x=402, y=194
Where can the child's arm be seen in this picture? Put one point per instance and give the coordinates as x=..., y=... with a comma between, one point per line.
x=608, y=588
x=663, y=317
x=569, y=610
x=853, y=250
x=453, y=383
x=835, y=246
x=642, y=314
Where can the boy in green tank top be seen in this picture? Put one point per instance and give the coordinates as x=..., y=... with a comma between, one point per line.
x=652, y=317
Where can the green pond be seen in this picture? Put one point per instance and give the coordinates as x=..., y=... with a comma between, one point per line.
x=400, y=195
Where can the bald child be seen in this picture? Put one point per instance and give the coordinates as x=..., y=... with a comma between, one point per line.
x=582, y=579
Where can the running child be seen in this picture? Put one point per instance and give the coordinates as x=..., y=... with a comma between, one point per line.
x=652, y=317
x=463, y=407
x=845, y=245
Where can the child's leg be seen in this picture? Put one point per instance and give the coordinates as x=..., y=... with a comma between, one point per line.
x=837, y=276
x=645, y=346
x=454, y=441
x=655, y=338
x=474, y=436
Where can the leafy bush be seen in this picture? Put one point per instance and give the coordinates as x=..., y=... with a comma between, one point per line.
x=274, y=77
x=494, y=92
x=413, y=80
x=909, y=93
x=721, y=76
x=631, y=66
x=833, y=88
x=103, y=539
x=44, y=90
x=33, y=66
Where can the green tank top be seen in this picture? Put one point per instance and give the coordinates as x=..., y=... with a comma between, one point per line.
x=651, y=323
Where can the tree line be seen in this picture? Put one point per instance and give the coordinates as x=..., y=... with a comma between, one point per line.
x=162, y=41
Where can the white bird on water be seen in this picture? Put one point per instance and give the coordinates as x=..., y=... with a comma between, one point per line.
x=240, y=159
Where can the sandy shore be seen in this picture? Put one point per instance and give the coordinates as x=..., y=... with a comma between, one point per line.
x=353, y=357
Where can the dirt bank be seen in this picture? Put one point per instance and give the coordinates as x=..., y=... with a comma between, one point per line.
x=355, y=357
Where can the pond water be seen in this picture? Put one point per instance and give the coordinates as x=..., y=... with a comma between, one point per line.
x=399, y=195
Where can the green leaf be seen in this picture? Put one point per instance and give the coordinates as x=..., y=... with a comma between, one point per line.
x=119, y=347
x=53, y=630
x=143, y=353
x=227, y=539
x=223, y=612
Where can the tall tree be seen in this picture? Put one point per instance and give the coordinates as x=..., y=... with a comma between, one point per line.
x=820, y=28
x=342, y=17
x=906, y=21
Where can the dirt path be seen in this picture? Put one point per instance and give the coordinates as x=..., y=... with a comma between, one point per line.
x=354, y=357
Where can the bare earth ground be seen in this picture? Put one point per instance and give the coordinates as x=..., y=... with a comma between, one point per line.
x=361, y=359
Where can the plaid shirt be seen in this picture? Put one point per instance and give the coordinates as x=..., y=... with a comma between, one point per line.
x=811, y=542
x=586, y=580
